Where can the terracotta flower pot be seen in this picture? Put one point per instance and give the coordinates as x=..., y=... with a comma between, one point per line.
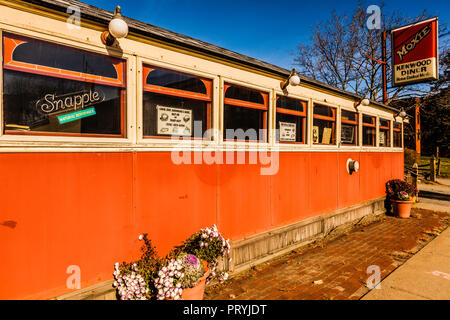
x=196, y=293
x=402, y=209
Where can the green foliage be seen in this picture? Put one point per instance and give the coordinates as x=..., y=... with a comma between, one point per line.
x=395, y=190
x=147, y=266
x=193, y=270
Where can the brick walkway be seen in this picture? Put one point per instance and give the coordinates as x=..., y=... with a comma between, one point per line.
x=340, y=263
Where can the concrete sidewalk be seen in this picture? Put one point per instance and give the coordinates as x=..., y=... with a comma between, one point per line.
x=426, y=276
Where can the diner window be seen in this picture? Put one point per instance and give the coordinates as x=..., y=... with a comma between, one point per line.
x=245, y=114
x=369, y=131
x=349, y=128
x=324, y=125
x=51, y=89
x=397, y=135
x=385, y=133
x=176, y=104
x=291, y=120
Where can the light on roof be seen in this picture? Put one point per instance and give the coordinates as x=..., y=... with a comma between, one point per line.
x=118, y=28
x=293, y=80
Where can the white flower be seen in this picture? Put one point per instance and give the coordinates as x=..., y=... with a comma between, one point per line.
x=141, y=237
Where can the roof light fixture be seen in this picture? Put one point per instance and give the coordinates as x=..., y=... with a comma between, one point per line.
x=363, y=101
x=118, y=28
x=293, y=80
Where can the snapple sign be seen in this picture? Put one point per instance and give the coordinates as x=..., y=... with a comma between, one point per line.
x=51, y=103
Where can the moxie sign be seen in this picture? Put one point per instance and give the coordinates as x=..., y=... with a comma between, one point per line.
x=415, y=53
x=51, y=103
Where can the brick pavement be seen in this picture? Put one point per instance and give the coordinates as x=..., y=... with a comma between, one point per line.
x=341, y=263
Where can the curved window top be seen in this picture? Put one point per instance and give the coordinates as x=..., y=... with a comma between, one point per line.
x=243, y=94
x=175, y=80
x=59, y=57
x=368, y=120
x=324, y=111
x=384, y=123
x=349, y=116
x=290, y=104
x=42, y=57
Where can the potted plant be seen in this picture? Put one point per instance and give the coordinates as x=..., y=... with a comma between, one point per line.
x=135, y=280
x=182, y=274
x=210, y=246
x=401, y=195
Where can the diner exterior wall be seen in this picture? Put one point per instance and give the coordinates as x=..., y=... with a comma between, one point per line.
x=83, y=202
x=88, y=209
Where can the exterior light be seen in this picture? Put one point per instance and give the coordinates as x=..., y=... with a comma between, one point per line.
x=363, y=102
x=402, y=114
x=293, y=80
x=118, y=28
x=352, y=166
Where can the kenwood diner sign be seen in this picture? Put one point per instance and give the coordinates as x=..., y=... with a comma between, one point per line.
x=415, y=53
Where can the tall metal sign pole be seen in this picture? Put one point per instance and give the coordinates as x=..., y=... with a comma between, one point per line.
x=417, y=126
x=384, y=65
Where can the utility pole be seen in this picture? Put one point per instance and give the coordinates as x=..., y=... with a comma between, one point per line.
x=383, y=50
x=417, y=120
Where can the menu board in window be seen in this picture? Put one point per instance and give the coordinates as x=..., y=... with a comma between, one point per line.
x=174, y=121
x=348, y=134
x=288, y=131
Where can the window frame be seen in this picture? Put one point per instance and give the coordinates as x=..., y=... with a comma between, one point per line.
x=208, y=97
x=386, y=130
x=356, y=125
x=266, y=107
x=372, y=125
x=303, y=115
x=394, y=130
x=123, y=74
x=333, y=119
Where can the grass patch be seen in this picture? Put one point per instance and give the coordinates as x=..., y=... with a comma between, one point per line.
x=445, y=166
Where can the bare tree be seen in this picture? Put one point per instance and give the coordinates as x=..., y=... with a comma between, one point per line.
x=344, y=53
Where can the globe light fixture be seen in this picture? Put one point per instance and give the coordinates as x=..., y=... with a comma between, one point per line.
x=118, y=28
x=362, y=102
x=293, y=80
x=402, y=114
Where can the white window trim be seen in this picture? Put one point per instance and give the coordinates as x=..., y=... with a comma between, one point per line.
x=167, y=142
x=50, y=141
x=286, y=145
x=337, y=107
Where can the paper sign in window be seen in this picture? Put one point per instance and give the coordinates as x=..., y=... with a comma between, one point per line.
x=326, y=138
x=382, y=138
x=174, y=121
x=288, y=131
x=347, y=134
x=316, y=134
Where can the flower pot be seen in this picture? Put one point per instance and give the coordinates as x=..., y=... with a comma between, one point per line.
x=402, y=209
x=196, y=293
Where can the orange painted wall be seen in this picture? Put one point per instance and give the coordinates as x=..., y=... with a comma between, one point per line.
x=88, y=209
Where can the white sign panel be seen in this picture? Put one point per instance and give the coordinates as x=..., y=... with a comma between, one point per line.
x=288, y=131
x=174, y=121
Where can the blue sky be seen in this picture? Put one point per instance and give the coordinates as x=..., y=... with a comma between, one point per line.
x=262, y=29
